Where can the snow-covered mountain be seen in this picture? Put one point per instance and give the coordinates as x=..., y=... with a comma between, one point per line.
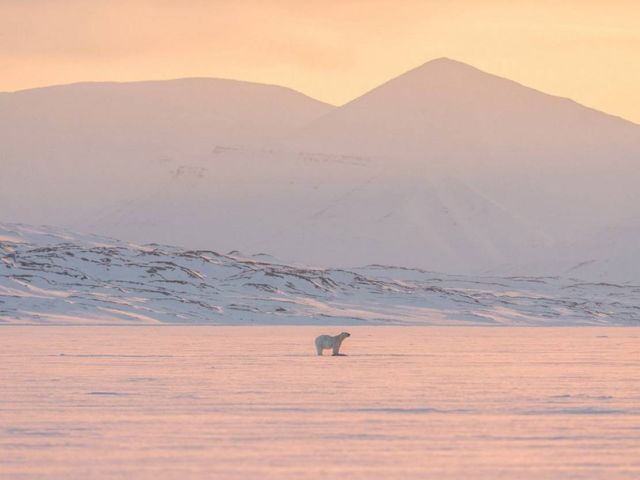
x=69, y=152
x=444, y=168
x=51, y=276
x=501, y=176
x=154, y=119
x=446, y=112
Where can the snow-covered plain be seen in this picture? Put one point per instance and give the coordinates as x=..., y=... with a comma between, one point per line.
x=52, y=276
x=242, y=403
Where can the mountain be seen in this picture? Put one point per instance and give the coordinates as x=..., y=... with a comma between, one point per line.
x=502, y=175
x=446, y=111
x=444, y=168
x=70, y=151
x=153, y=119
x=52, y=276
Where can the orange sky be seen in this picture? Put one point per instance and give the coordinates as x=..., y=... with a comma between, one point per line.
x=333, y=50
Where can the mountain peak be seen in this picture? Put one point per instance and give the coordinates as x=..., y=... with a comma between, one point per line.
x=444, y=61
x=445, y=108
x=439, y=77
x=445, y=68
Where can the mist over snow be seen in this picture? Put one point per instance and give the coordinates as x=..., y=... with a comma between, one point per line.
x=445, y=168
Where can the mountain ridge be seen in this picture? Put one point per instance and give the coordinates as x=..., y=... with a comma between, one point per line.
x=55, y=277
x=444, y=102
x=178, y=80
x=462, y=67
x=227, y=79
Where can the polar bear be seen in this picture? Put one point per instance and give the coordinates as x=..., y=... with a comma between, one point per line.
x=325, y=342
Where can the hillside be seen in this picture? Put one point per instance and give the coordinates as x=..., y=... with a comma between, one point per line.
x=50, y=276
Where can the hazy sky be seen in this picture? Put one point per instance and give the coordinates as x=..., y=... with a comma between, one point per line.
x=333, y=50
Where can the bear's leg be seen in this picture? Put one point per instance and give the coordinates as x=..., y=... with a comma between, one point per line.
x=319, y=350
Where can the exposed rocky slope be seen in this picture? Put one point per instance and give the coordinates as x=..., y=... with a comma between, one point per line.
x=49, y=276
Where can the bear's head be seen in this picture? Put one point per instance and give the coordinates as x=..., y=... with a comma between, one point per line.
x=345, y=334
